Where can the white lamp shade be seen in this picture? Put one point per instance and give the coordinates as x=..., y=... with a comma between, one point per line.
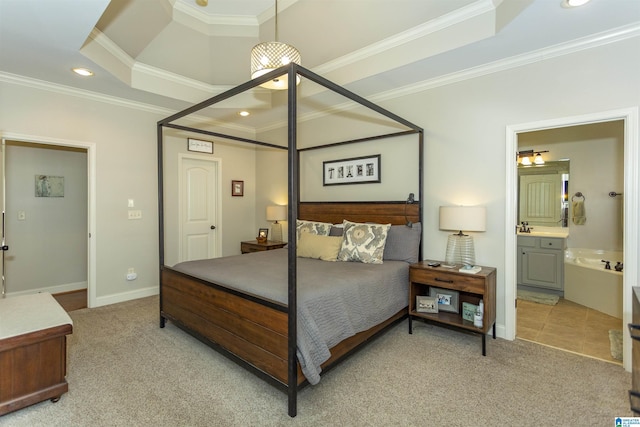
x=463, y=218
x=276, y=213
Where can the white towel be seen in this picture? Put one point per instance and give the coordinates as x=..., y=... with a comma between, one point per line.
x=579, y=212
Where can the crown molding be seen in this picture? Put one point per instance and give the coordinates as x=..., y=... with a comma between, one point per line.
x=448, y=20
x=32, y=83
x=574, y=46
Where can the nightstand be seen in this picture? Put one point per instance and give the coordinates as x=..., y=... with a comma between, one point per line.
x=253, y=246
x=470, y=288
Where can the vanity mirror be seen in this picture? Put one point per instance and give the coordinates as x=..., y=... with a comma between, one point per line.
x=543, y=194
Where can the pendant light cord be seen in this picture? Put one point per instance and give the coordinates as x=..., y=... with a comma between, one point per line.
x=276, y=20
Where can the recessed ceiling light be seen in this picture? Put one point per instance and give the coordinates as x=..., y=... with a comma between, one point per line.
x=85, y=72
x=202, y=3
x=243, y=113
x=574, y=3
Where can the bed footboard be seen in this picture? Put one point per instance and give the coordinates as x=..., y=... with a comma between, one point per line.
x=252, y=329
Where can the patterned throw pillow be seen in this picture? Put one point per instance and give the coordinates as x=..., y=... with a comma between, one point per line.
x=363, y=242
x=313, y=227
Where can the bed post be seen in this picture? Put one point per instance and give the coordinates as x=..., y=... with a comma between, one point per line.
x=160, y=211
x=292, y=215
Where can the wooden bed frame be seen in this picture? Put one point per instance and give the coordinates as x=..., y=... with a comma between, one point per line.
x=253, y=331
x=257, y=333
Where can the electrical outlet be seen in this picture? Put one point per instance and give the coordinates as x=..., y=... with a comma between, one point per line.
x=135, y=214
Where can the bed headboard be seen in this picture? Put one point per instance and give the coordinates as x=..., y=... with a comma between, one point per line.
x=395, y=213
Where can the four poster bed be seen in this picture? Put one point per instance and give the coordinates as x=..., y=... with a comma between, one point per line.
x=289, y=314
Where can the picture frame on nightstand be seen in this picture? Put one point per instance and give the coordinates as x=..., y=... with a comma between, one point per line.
x=468, y=311
x=447, y=299
x=426, y=304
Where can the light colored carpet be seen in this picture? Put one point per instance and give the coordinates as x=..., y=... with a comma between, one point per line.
x=615, y=339
x=539, y=297
x=125, y=371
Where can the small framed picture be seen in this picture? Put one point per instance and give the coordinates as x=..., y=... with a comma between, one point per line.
x=200, y=146
x=263, y=232
x=426, y=304
x=237, y=188
x=468, y=311
x=447, y=299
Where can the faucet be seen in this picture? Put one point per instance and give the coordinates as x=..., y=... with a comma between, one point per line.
x=618, y=266
x=525, y=227
x=607, y=264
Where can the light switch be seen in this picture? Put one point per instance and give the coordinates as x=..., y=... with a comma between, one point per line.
x=22, y=216
x=130, y=203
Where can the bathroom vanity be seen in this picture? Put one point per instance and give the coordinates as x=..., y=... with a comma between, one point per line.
x=541, y=260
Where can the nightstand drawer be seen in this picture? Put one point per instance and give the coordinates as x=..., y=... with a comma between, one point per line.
x=435, y=278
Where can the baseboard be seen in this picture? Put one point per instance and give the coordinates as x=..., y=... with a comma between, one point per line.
x=126, y=296
x=58, y=289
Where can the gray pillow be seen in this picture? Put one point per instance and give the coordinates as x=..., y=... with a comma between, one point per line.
x=403, y=243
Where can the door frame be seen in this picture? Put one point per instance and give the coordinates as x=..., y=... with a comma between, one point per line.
x=218, y=198
x=631, y=213
x=91, y=199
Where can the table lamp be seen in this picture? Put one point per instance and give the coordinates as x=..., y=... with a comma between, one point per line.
x=460, y=246
x=276, y=213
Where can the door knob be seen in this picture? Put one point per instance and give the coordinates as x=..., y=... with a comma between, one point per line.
x=213, y=227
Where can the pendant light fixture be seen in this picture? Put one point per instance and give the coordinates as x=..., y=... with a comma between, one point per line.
x=266, y=57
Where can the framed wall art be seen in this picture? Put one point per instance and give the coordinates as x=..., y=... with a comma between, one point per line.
x=237, y=188
x=49, y=186
x=200, y=146
x=356, y=170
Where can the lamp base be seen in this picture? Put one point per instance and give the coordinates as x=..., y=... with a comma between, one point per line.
x=460, y=250
x=276, y=231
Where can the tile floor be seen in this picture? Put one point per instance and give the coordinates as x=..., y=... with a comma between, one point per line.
x=568, y=326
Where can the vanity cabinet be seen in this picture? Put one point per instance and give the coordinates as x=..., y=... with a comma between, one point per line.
x=541, y=262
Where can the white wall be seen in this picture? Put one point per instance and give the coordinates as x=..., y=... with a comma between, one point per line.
x=125, y=140
x=465, y=125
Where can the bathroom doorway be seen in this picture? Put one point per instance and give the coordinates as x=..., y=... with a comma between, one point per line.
x=628, y=119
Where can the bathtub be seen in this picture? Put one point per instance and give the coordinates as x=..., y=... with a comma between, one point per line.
x=587, y=283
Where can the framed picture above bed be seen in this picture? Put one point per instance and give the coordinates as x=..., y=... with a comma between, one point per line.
x=356, y=170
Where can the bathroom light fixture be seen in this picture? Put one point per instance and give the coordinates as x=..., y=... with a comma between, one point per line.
x=276, y=213
x=85, y=72
x=268, y=56
x=525, y=156
x=538, y=159
x=460, y=248
x=574, y=3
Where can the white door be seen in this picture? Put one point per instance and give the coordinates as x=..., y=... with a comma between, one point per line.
x=199, y=205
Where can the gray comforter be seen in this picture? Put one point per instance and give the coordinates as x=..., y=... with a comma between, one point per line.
x=335, y=299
